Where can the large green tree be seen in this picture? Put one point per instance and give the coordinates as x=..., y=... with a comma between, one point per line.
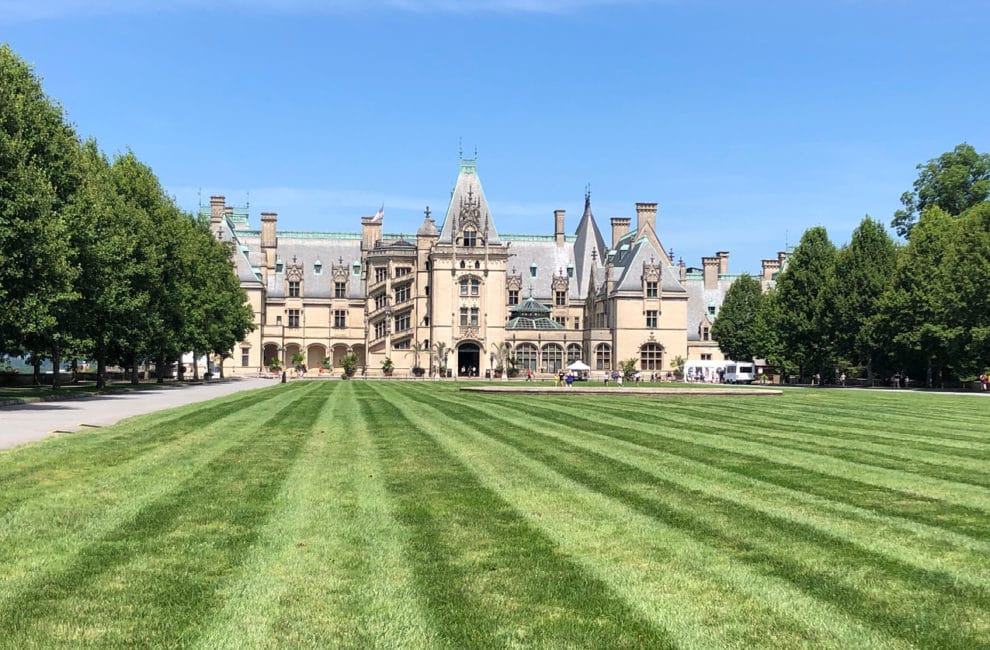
x=916, y=322
x=955, y=181
x=736, y=329
x=864, y=271
x=967, y=291
x=38, y=176
x=805, y=302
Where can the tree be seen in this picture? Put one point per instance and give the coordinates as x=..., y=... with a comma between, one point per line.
x=915, y=320
x=441, y=351
x=864, y=271
x=955, y=181
x=967, y=291
x=38, y=176
x=804, y=301
x=735, y=327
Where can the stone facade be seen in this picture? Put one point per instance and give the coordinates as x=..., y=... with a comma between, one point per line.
x=382, y=295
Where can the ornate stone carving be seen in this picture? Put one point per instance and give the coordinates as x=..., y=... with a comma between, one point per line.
x=513, y=281
x=294, y=270
x=651, y=271
x=470, y=213
x=559, y=282
x=469, y=332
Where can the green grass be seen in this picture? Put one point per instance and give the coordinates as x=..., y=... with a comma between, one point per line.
x=402, y=514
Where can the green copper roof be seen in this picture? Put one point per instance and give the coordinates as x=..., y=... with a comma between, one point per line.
x=532, y=315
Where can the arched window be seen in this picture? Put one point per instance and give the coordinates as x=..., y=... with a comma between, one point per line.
x=526, y=356
x=573, y=353
x=553, y=357
x=603, y=356
x=651, y=356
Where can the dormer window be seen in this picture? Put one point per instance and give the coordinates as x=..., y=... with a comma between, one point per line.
x=357, y=268
x=317, y=267
x=470, y=238
x=532, y=270
x=570, y=271
x=652, y=288
x=711, y=309
x=279, y=265
x=294, y=288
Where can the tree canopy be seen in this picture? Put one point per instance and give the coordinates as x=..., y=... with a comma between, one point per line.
x=954, y=182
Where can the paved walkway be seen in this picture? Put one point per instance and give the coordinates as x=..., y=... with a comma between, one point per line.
x=38, y=420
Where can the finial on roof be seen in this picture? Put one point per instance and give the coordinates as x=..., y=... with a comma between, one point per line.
x=670, y=254
x=460, y=149
x=475, y=152
x=427, y=212
x=594, y=253
x=340, y=260
x=293, y=259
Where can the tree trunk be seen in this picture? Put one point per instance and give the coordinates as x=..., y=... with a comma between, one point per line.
x=37, y=370
x=101, y=368
x=869, y=369
x=928, y=374
x=160, y=362
x=222, y=358
x=195, y=366
x=56, y=362
x=134, y=369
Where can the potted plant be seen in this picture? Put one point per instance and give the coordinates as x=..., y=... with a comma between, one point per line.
x=441, y=350
x=387, y=367
x=275, y=366
x=349, y=363
x=416, y=350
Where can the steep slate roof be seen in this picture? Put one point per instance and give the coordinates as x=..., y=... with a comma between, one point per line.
x=699, y=298
x=242, y=263
x=307, y=251
x=468, y=190
x=588, y=238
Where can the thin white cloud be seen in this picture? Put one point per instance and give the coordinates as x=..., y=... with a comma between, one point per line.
x=23, y=10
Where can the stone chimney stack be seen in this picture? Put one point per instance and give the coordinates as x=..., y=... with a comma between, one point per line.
x=216, y=211
x=710, y=269
x=558, y=227
x=646, y=213
x=269, y=241
x=723, y=262
x=620, y=226
x=371, y=232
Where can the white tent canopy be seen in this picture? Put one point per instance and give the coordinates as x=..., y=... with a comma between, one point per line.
x=579, y=366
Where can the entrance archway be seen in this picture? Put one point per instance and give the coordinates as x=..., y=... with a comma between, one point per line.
x=468, y=359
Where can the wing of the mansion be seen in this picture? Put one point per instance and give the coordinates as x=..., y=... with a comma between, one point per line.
x=553, y=298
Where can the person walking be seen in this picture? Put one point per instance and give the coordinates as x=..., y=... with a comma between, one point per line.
x=984, y=382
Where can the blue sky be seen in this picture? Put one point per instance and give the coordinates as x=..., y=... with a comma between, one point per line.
x=748, y=122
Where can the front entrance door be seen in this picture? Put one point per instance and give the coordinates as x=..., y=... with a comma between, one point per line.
x=468, y=359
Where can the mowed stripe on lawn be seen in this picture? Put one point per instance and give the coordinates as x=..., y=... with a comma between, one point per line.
x=885, y=592
x=486, y=576
x=152, y=578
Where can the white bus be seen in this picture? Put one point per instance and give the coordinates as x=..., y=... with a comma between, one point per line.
x=739, y=373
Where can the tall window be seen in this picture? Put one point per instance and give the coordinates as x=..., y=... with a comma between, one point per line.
x=513, y=296
x=293, y=318
x=381, y=274
x=470, y=286
x=402, y=294
x=526, y=356
x=402, y=270
x=651, y=357
x=293, y=288
x=706, y=333
x=470, y=238
x=577, y=322
x=469, y=316
x=573, y=353
x=603, y=356
x=651, y=289
x=651, y=318
x=553, y=357
x=402, y=322
x=339, y=318
x=560, y=298
x=244, y=356
x=380, y=328
x=339, y=289
x=380, y=301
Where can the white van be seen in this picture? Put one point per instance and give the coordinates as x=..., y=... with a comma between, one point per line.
x=738, y=373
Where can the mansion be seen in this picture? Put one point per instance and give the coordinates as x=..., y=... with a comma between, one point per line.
x=544, y=301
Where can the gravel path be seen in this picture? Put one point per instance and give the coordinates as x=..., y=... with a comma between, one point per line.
x=30, y=422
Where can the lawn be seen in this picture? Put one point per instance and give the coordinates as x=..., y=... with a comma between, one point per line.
x=408, y=514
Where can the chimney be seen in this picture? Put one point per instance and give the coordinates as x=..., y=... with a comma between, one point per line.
x=646, y=213
x=723, y=262
x=216, y=210
x=710, y=269
x=620, y=226
x=269, y=240
x=371, y=232
x=558, y=227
